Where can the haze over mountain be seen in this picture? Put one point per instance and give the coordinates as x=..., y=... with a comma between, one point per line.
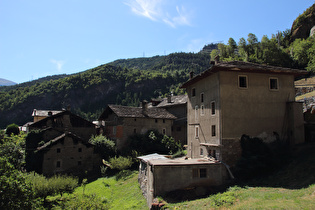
x=4, y=82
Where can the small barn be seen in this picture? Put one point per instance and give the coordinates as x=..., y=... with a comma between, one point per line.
x=159, y=175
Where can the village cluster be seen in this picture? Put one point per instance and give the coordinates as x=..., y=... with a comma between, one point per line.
x=223, y=103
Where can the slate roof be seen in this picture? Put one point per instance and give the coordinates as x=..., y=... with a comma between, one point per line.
x=137, y=112
x=58, y=138
x=175, y=100
x=242, y=66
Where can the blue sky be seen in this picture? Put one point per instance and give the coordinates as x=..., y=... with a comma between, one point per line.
x=48, y=37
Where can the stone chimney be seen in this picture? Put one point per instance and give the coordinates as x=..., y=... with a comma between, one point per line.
x=144, y=107
x=191, y=75
x=169, y=98
x=216, y=59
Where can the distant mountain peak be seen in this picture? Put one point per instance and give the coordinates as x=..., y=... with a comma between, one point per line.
x=4, y=82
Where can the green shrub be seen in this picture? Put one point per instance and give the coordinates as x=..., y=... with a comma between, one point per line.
x=120, y=163
x=12, y=129
x=43, y=187
x=103, y=146
x=84, y=202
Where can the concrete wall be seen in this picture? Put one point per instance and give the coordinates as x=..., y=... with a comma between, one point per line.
x=74, y=158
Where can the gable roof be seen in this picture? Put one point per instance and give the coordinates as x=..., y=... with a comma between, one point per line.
x=75, y=120
x=137, y=112
x=58, y=138
x=175, y=100
x=241, y=66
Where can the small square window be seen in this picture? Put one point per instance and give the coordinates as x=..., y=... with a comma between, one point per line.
x=58, y=164
x=58, y=150
x=163, y=120
x=135, y=130
x=242, y=81
x=164, y=131
x=203, y=173
x=156, y=120
x=80, y=149
x=273, y=83
x=193, y=92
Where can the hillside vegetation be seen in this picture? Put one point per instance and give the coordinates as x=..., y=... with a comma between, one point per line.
x=89, y=92
x=129, y=81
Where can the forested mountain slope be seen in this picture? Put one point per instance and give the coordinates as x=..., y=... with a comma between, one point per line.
x=90, y=91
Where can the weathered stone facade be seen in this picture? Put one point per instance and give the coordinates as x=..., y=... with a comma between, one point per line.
x=235, y=98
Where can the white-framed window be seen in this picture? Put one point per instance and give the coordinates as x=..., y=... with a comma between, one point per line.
x=197, y=131
x=212, y=107
x=242, y=81
x=202, y=110
x=273, y=83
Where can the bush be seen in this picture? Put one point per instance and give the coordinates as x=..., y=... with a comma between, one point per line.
x=103, y=146
x=43, y=187
x=120, y=163
x=12, y=129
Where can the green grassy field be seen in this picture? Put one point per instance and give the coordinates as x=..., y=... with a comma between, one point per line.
x=291, y=187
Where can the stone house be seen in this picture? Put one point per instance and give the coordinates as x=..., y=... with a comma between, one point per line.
x=176, y=105
x=68, y=154
x=235, y=98
x=159, y=175
x=65, y=144
x=120, y=122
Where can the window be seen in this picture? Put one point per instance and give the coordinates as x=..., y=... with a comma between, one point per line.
x=273, y=83
x=203, y=173
x=242, y=81
x=80, y=149
x=58, y=164
x=193, y=92
x=196, y=131
x=164, y=131
x=201, y=151
x=156, y=120
x=135, y=119
x=212, y=108
x=199, y=172
x=202, y=110
x=196, y=113
x=163, y=120
x=201, y=97
x=213, y=133
x=134, y=130
x=58, y=150
x=114, y=130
